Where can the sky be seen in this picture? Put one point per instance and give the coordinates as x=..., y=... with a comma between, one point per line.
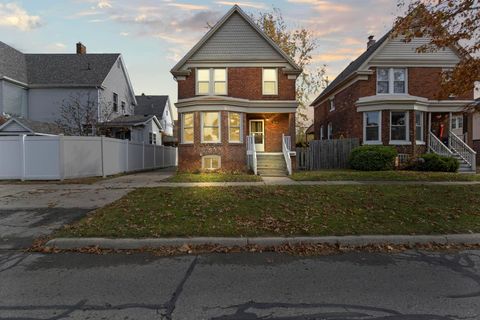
x=152, y=35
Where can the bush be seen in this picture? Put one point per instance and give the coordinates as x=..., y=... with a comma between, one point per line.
x=373, y=158
x=435, y=162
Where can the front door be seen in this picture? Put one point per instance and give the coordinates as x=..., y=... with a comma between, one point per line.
x=257, y=130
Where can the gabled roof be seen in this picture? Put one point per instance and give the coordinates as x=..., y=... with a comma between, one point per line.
x=69, y=69
x=151, y=105
x=55, y=70
x=12, y=63
x=177, y=69
x=32, y=127
x=310, y=130
x=135, y=120
x=351, y=68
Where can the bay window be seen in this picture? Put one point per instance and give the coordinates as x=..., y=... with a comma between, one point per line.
x=419, y=126
x=210, y=127
x=187, y=128
x=398, y=126
x=234, y=127
x=212, y=81
x=270, y=81
x=372, y=132
x=391, y=81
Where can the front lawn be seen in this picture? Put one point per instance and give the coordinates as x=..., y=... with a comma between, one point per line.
x=213, y=177
x=285, y=211
x=332, y=175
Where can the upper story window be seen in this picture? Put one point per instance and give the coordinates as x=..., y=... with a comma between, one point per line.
x=210, y=127
x=270, y=81
x=212, y=81
x=391, y=80
x=332, y=104
x=123, y=107
x=115, y=102
x=187, y=128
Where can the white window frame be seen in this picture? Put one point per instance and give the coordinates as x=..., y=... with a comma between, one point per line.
x=211, y=82
x=241, y=128
x=407, y=129
x=391, y=81
x=152, y=138
x=422, y=127
x=219, y=158
x=321, y=132
x=456, y=122
x=379, y=141
x=332, y=104
x=219, y=127
x=276, y=82
x=329, y=131
x=183, y=128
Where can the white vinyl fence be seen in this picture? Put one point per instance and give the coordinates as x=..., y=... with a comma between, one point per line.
x=59, y=157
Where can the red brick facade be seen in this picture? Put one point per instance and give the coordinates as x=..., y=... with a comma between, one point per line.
x=245, y=83
x=233, y=155
x=348, y=123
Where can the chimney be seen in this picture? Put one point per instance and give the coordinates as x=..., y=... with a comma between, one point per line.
x=370, y=42
x=81, y=49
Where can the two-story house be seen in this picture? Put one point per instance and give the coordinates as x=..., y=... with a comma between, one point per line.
x=35, y=86
x=236, y=96
x=391, y=95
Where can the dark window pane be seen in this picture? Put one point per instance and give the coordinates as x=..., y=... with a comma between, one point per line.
x=382, y=87
x=398, y=133
x=373, y=118
x=399, y=87
x=398, y=118
x=372, y=134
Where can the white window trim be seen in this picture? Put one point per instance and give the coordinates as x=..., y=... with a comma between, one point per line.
x=321, y=132
x=329, y=130
x=391, y=77
x=422, y=122
x=211, y=82
x=276, y=82
x=407, y=129
x=332, y=104
x=379, y=141
x=241, y=128
x=219, y=127
x=212, y=156
x=183, y=128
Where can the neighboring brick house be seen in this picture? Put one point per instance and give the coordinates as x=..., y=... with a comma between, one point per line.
x=390, y=95
x=235, y=85
x=476, y=130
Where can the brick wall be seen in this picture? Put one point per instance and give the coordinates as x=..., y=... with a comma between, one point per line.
x=476, y=147
x=276, y=124
x=245, y=83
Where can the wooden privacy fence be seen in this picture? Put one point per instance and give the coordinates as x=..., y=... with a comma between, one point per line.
x=326, y=154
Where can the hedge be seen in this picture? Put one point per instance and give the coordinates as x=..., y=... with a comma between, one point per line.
x=373, y=158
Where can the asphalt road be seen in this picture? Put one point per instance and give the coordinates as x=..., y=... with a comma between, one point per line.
x=411, y=285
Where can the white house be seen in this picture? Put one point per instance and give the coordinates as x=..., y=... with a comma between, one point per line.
x=158, y=106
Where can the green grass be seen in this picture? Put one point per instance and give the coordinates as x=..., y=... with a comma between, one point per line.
x=285, y=211
x=213, y=177
x=332, y=175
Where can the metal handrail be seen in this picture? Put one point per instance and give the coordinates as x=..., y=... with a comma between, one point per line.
x=463, y=150
x=286, y=145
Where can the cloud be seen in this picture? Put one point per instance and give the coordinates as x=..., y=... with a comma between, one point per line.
x=340, y=54
x=12, y=15
x=102, y=4
x=255, y=5
x=324, y=5
x=187, y=6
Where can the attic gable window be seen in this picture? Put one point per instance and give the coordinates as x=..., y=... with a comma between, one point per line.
x=211, y=81
x=270, y=81
x=391, y=81
x=115, y=102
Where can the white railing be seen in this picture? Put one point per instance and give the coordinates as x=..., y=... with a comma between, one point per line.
x=437, y=146
x=463, y=150
x=251, y=154
x=286, y=147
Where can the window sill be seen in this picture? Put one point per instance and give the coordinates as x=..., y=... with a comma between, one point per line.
x=186, y=144
x=400, y=143
x=420, y=143
x=210, y=142
x=373, y=142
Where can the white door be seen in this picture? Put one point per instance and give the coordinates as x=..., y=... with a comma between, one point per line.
x=257, y=130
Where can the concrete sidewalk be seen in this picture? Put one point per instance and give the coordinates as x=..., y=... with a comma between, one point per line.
x=354, y=241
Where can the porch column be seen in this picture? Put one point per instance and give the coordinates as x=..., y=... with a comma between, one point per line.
x=449, y=128
x=429, y=129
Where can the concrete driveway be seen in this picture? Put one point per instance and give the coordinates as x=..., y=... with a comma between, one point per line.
x=31, y=210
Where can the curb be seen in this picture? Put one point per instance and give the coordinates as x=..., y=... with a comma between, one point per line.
x=355, y=241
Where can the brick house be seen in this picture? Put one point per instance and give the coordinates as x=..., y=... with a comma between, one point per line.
x=236, y=100
x=390, y=95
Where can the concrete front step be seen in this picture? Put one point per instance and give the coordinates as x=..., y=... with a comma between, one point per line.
x=271, y=165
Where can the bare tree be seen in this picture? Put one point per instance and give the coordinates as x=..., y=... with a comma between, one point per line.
x=79, y=114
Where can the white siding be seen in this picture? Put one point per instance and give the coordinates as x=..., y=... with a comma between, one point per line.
x=167, y=120
x=13, y=99
x=238, y=41
x=397, y=50
x=116, y=82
